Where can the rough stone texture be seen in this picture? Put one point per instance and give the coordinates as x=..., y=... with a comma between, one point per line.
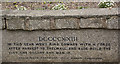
x=0, y=23
x=62, y=19
x=65, y=19
x=84, y=36
x=1, y=19
x=58, y=13
x=26, y=23
x=92, y=23
x=71, y=23
x=1, y=27
x=37, y=23
x=13, y=23
x=0, y=46
x=113, y=23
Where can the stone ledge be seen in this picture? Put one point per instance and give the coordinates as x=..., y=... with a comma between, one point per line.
x=65, y=19
x=58, y=13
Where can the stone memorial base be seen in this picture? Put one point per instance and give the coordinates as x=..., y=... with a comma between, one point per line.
x=67, y=37
x=86, y=45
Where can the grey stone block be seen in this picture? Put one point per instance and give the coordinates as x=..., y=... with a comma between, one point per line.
x=14, y=23
x=71, y=23
x=0, y=46
x=35, y=24
x=92, y=23
x=57, y=13
x=2, y=23
x=113, y=23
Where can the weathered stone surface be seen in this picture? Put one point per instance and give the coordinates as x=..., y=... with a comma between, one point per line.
x=2, y=23
x=113, y=23
x=58, y=13
x=88, y=18
x=65, y=19
x=0, y=46
x=14, y=23
x=92, y=23
x=1, y=27
x=37, y=23
x=97, y=37
x=71, y=23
